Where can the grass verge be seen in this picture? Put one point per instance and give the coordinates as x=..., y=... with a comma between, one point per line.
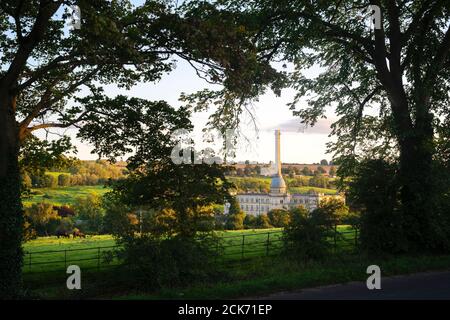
x=259, y=276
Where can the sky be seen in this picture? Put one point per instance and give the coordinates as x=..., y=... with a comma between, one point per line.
x=298, y=144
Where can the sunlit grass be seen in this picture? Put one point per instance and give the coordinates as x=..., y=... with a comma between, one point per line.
x=62, y=195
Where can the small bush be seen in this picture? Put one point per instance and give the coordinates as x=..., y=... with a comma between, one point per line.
x=263, y=222
x=250, y=222
x=154, y=263
x=306, y=236
x=235, y=221
x=279, y=218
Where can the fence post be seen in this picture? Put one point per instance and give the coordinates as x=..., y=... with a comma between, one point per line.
x=268, y=243
x=217, y=250
x=98, y=259
x=335, y=235
x=242, y=249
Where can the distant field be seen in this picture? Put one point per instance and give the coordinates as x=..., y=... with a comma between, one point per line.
x=306, y=189
x=67, y=195
x=266, y=181
x=63, y=195
x=56, y=174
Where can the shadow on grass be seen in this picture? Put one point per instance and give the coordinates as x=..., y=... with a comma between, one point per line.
x=251, y=277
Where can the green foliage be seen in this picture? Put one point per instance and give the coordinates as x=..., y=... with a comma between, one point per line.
x=234, y=206
x=153, y=263
x=250, y=183
x=37, y=156
x=63, y=180
x=235, y=221
x=374, y=192
x=306, y=171
x=26, y=181
x=117, y=216
x=279, y=218
x=306, y=236
x=263, y=221
x=250, y=222
x=321, y=170
x=318, y=180
x=90, y=211
x=361, y=68
x=332, y=172
x=298, y=184
x=62, y=195
x=43, y=218
x=44, y=67
x=333, y=208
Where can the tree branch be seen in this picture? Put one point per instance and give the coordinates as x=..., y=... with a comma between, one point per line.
x=29, y=42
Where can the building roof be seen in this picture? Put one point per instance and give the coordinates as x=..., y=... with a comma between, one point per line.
x=277, y=182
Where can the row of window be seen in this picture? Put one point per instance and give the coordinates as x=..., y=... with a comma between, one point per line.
x=254, y=208
x=252, y=200
x=299, y=201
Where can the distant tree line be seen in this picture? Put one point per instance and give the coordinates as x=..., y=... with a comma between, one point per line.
x=263, y=185
x=81, y=173
x=291, y=171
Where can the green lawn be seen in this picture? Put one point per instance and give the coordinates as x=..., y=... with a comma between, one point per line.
x=62, y=195
x=47, y=254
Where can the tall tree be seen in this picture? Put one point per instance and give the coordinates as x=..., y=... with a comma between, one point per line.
x=49, y=73
x=399, y=67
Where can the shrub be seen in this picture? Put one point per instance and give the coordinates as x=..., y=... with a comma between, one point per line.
x=64, y=211
x=263, y=221
x=63, y=180
x=305, y=237
x=42, y=218
x=374, y=192
x=279, y=218
x=250, y=221
x=334, y=209
x=167, y=262
x=90, y=210
x=235, y=221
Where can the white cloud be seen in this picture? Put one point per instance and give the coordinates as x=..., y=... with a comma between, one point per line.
x=322, y=126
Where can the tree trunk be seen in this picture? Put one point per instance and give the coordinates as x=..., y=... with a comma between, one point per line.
x=417, y=190
x=11, y=217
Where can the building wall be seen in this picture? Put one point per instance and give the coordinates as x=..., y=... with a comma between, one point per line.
x=260, y=203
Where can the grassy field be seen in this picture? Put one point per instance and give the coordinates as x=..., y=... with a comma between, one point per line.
x=316, y=189
x=50, y=254
x=62, y=195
